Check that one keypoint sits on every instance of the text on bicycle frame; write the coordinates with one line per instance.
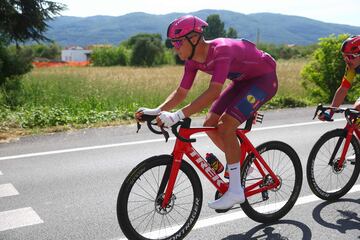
(207, 168)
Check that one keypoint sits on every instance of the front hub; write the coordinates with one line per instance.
(336, 167)
(168, 208)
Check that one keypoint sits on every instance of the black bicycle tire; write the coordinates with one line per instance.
(139, 170)
(274, 216)
(312, 157)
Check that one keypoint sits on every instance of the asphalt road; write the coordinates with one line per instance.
(65, 185)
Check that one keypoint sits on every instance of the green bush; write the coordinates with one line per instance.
(109, 56)
(13, 64)
(12, 92)
(169, 57)
(287, 51)
(286, 102)
(49, 51)
(323, 74)
(43, 116)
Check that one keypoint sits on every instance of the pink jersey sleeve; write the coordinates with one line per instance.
(189, 75)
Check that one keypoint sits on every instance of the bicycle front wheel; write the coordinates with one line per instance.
(139, 209)
(271, 205)
(326, 179)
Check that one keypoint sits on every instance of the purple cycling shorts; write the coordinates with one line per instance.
(243, 98)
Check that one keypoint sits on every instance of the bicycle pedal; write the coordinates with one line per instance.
(226, 210)
(222, 210)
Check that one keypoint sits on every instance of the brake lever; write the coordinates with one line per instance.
(138, 127)
(319, 107)
(148, 119)
(165, 133)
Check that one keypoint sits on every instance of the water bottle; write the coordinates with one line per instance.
(214, 163)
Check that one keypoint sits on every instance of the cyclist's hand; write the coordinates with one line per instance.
(169, 118)
(147, 111)
(325, 116)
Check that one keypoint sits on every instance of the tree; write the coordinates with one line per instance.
(231, 33)
(13, 64)
(147, 50)
(322, 75)
(151, 37)
(23, 20)
(215, 28)
(49, 51)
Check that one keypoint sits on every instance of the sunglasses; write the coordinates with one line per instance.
(177, 43)
(350, 56)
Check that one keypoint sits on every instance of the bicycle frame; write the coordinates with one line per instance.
(350, 128)
(186, 148)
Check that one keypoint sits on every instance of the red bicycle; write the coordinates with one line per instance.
(330, 172)
(161, 198)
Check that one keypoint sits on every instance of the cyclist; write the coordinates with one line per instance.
(350, 50)
(254, 82)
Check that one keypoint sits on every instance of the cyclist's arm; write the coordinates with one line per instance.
(342, 91)
(174, 99)
(204, 100)
(177, 96)
(339, 96)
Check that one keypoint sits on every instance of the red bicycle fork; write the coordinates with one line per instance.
(351, 128)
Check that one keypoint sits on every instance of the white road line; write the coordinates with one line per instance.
(18, 218)
(223, 218)
(143, 142)
(7, 190)
(1, 173)
(295, 125)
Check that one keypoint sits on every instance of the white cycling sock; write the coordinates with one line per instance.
(235, 193)
(234, 178)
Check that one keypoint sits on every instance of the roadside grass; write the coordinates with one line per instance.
(62, 98)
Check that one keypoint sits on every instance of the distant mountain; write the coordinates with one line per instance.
(273, 28)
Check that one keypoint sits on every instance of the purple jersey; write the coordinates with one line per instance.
(234, 59)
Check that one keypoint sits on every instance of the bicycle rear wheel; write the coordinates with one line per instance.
(325, 178)
(139, 210)
(271, 205)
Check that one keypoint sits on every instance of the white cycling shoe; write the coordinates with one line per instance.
(228, 200)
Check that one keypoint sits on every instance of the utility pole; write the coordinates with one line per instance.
(258, 36)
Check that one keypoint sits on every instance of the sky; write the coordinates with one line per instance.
(331, 11)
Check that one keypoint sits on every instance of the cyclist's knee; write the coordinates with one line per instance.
(227, 126)
(225, 130)
(211, 120)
